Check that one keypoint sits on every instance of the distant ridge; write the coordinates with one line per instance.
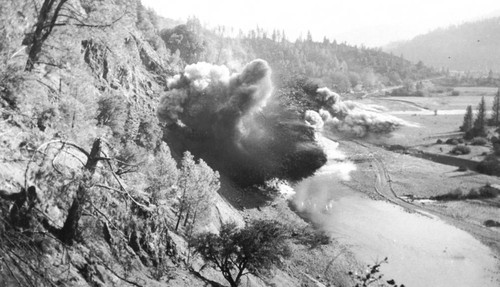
(472, 46)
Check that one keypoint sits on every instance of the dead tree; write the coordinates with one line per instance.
(46, 21)
(70, 228)
(69, 231)
(54, 13)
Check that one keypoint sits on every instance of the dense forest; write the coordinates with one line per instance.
(340, 66)
(116, 144)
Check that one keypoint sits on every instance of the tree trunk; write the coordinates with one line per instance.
(35, 50)
(187, 217)
(45, 22)
(179, 218)
(70, 229)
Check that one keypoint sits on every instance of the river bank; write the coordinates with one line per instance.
(423, 250)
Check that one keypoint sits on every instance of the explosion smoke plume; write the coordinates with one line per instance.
(223, 118)
(207, 97)
(351, 118)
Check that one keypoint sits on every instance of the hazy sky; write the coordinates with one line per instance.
(373, 23)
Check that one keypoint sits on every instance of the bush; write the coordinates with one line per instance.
(460, 150)
(490, 165)
(479, 141)
(372, 276)
(496, 148)
(488, 191)
(491, 223)
(455, 93)
(455, 194)
(439, 141)
(485, 192)
(311, 237)
(462, 168)
(112, 113)
(452, 141)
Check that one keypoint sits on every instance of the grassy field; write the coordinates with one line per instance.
(423, 178)
(420, 178)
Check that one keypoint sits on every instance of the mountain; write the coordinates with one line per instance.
(470, 46)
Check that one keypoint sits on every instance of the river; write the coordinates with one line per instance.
(422, 250)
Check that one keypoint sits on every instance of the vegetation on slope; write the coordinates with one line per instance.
(86, 178)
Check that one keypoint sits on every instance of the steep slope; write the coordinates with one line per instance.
(89, 193)
(470, 46)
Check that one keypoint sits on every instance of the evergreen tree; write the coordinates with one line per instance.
(309, 37)
(467, 124)
(495, 116)
(479, 127)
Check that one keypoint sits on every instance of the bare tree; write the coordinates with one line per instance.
(47, 17)
(51, 14)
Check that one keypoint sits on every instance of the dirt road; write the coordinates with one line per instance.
(383, 186)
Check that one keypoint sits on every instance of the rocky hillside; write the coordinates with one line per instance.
(90, 195)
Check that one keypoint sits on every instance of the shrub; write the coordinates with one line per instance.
(311, 237)
(149, 134)
(462, 168)
(496, 148)
(452, 141)
(491, 223)
(112, 113)
(485, 192)
(439, 141)
(455, 93)
(46, 118)
(460, 150)
(488, 191)
(455, 194)
(490, 165)
(479, 141)
(372, 276)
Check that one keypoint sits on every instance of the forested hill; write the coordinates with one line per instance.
(338, 65)
(468, 47)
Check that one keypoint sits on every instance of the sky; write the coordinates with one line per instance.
(358, 22)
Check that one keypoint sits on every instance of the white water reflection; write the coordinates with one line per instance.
(422, 251)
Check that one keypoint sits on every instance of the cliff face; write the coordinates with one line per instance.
(89, 82)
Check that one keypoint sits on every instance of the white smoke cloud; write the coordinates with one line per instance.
(314, 120)
(354, 119)
(202, 75)
(205, 92)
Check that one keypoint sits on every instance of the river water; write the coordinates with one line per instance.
(422, 251)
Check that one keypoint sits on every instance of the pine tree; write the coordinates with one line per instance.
(467, 124)
(495, 116)
(479, 127)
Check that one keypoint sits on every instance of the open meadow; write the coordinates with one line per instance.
(415, 180)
